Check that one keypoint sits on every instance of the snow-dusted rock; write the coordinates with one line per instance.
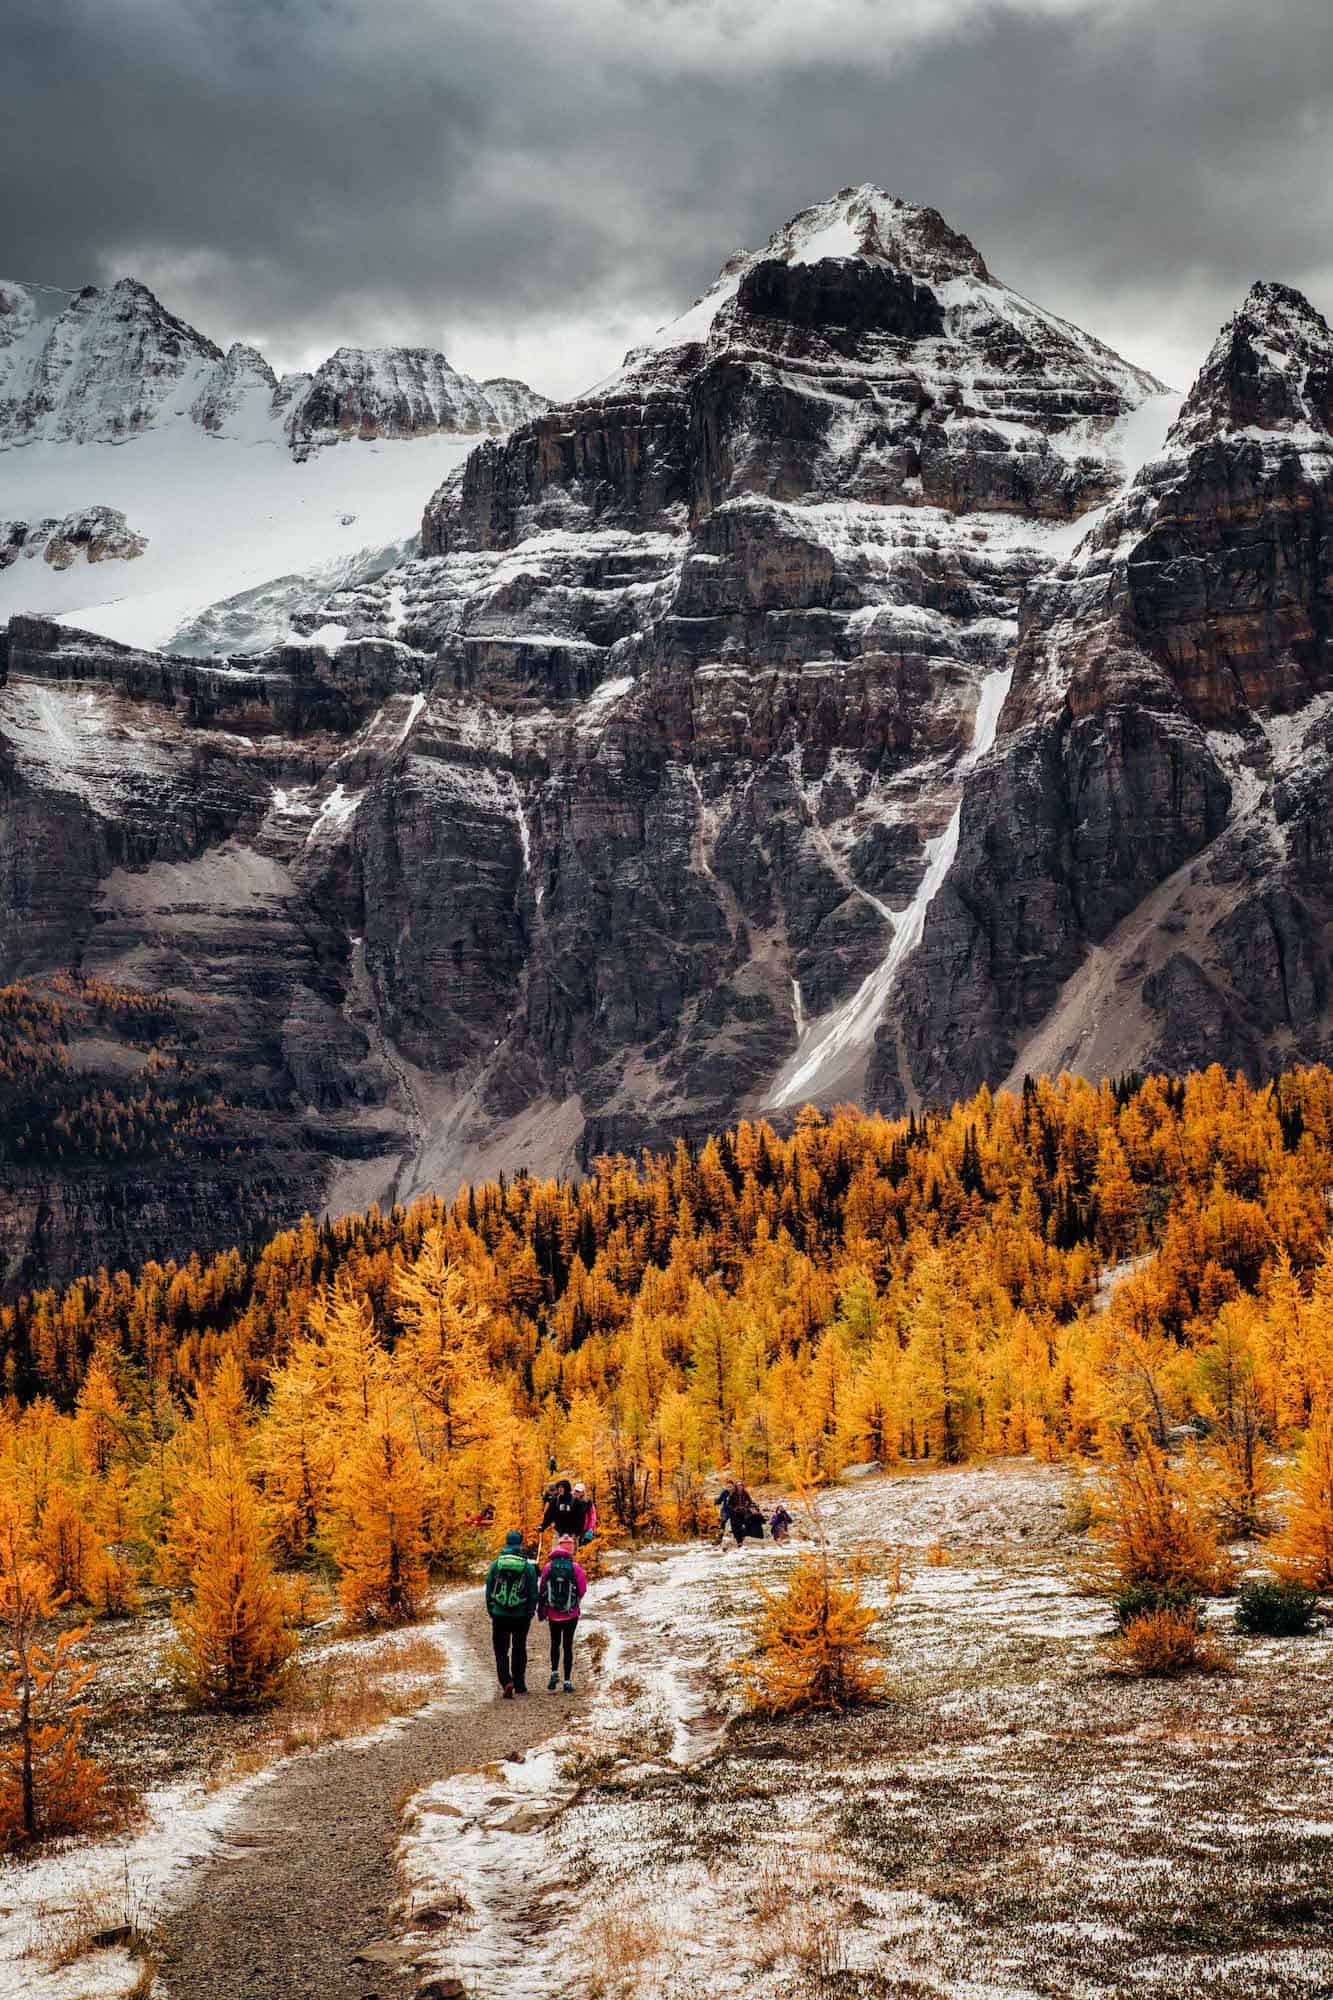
(238, 390)
(1144, 875)
(99, 534)
(111, 364)
(108, 364)
(399, 392)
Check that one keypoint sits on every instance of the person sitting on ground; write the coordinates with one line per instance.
(511, 1600)
(564, 1513)
(582, 1498)
(559, 1596)
(779, 1523)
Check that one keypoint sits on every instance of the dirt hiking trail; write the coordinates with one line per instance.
(296, 1904)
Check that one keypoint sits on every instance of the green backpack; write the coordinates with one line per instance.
(509, 1592)
(562, 1590)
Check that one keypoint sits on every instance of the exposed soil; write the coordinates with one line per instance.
(298, 1900)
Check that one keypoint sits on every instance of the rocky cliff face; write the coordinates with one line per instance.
(112, 363)
(812, 711)
(399, 392)
(619, 810)
(1141, 873)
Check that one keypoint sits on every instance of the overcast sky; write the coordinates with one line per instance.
(534, 184)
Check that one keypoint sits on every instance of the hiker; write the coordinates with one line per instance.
(582, 1498)
(511, 1599)
(564, 1513)
(742, 1514)
(559, 1595)
(723, 1504)
(779, 1523)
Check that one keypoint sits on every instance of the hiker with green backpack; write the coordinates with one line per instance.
(511, 1599)
(559, 1596)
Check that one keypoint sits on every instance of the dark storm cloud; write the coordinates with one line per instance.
(529, 183)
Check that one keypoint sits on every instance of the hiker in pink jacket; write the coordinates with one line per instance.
(560, 1591)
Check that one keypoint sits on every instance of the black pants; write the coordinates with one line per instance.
(509, 1636)
(562, 1638)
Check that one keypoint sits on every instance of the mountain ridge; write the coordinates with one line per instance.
(658, 787)
(70, 376)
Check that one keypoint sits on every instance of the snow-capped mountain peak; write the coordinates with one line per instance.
(1269, 370)
(866, 226)
(880, 228)
(105, 368)
(110, 363)
(111, 405)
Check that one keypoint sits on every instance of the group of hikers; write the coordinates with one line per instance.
(517, 1590)
(520, 1587)
(738, 1510)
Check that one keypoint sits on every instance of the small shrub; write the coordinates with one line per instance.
(1168, 1642)
(1277, 1608)
(937, 1556)
(1140, 1600)
(813, 1646)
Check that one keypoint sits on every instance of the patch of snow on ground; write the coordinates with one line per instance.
(1019, 1819)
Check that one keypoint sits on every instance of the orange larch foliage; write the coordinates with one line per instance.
(47, 1785)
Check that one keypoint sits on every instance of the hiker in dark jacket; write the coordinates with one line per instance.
(740, 1512)
(511, 1600)
(723, 1504)
(565, 1512)
(779, 1523)
(559, 1598)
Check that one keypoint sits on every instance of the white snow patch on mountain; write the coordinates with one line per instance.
(221, 516)
(842, 1036)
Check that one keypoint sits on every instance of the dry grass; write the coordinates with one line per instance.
(94, 1919)
(621, 1942)
(795, 1905)
(341, 1693)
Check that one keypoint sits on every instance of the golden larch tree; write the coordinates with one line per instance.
(1304, 1551)
(233, 1646)
(813, 1647)
(47, 1785)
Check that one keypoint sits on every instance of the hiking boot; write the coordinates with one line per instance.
(519, 1690)
(509, 1690)
(569, 1687)
(553, 1684)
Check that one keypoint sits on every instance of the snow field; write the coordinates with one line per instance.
(223, 515)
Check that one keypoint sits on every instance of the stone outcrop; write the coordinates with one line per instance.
(97, 534)
(1158, 792)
